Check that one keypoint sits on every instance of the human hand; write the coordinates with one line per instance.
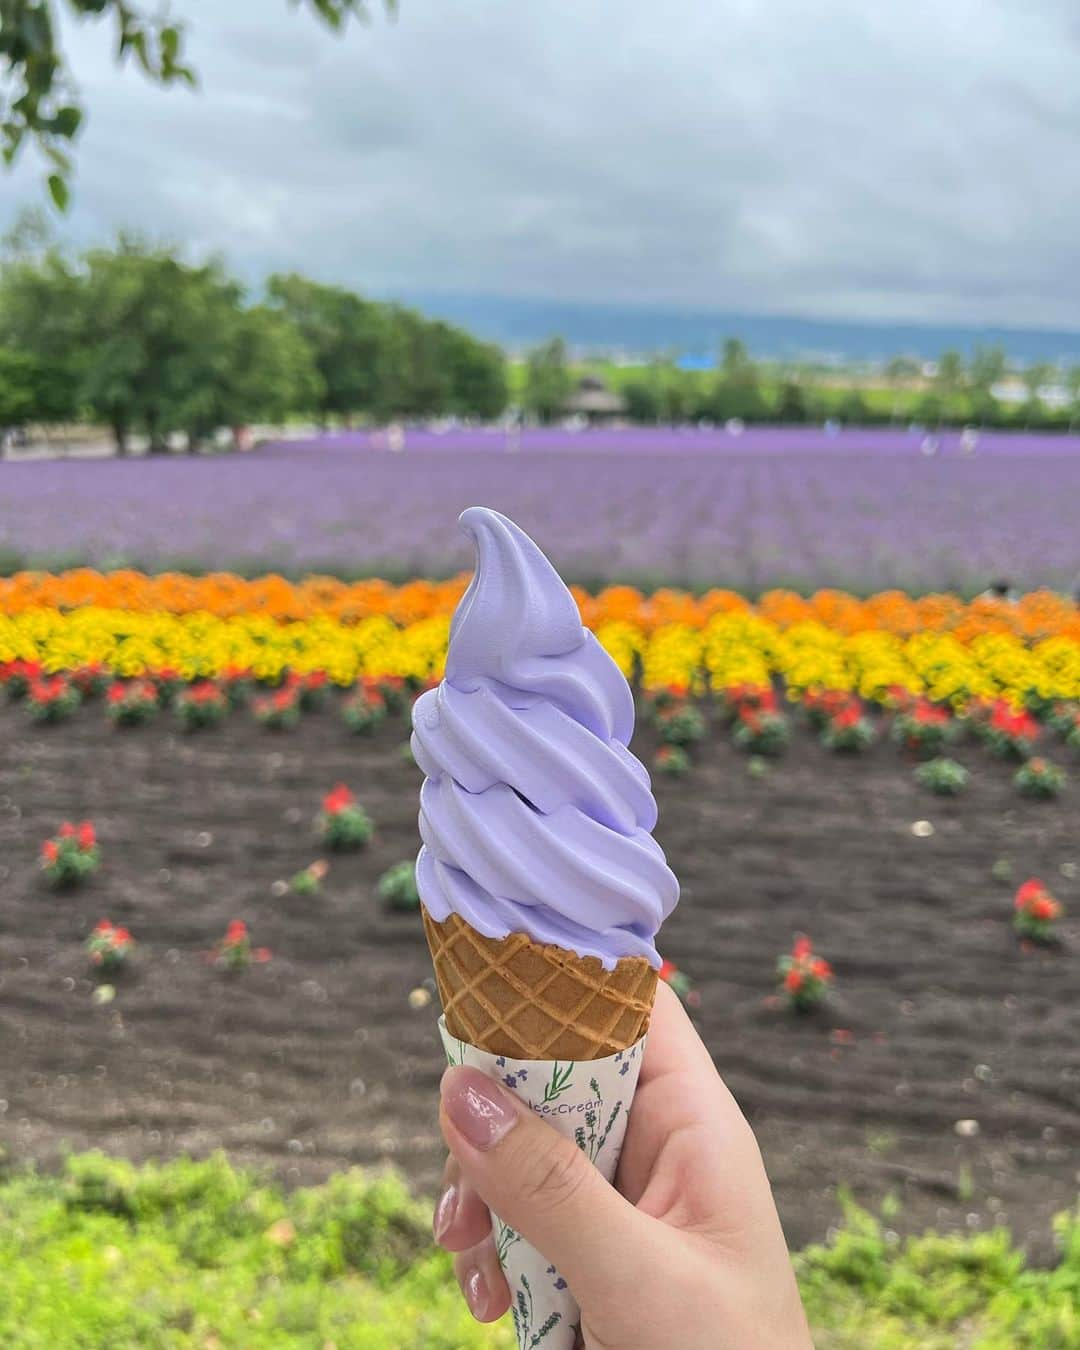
(686, 1250)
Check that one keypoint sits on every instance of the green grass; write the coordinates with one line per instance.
(199, 1254)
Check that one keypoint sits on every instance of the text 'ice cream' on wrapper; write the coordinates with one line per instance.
(541, 885)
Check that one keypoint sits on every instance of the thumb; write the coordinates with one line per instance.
(539, 1183)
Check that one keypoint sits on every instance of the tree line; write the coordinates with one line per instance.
(135, 337)
(955, 392)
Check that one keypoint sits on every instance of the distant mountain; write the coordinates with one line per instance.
(633, 331)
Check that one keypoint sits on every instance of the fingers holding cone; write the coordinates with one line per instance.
(540, 1183)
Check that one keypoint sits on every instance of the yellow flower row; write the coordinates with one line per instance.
(732, 647)
(200, 646)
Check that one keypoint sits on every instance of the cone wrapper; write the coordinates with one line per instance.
(587, 1101)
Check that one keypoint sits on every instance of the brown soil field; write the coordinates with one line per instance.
(317, 1060)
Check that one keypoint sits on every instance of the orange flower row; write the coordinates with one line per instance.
(1034, 616)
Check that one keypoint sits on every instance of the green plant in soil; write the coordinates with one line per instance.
(72, 856)
(364, 711)
(671, 760)
(680, 724)
(1039, 778)
(761, 733)
(200, 706)
(343, 822)
(944, 777)
(848, 733)
(396, 888)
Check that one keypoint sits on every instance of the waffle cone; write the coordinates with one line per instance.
(512, 996)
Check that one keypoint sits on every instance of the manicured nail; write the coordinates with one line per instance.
(476, 1293)
(445, 1212)
(477, 1106)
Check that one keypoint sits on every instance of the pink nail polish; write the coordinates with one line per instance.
(477, 1106)
(476, 1295)
(445, 1212)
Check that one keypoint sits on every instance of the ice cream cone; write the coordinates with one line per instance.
(513, 996)
(536, 821)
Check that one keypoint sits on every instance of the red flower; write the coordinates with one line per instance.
(1044, 908)
(1019, 726)
(667, 969)
(1028, 892)
(86, 836)
(802, 949)
(928, 714)
(850, 717)
(337, 800)
(50, 852)
(236, 933)
(117, 693)
(104, 927)
(67, 830)
(793, 980)
(821, 970)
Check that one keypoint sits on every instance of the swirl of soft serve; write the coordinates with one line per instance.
(534, 815)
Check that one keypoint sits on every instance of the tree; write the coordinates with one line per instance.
(930, 410)
(477, 372)
(269, 372)
(642, 403)
(1035, 376)
(949, 380)
(988, 368)
(672, 391)
(791, 402)
(157, 338)
(547, 380)
(1072, 386)
(42, 305)
(852, 409)
(734, 359)
(737, 392)
(902, 370)
(358, 358)
(20, 388)
(35, 99)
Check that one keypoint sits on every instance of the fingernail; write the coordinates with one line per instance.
(445, 1211)
(476, 1293)
(477, 1107)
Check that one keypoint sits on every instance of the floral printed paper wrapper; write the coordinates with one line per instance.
(588, 1101)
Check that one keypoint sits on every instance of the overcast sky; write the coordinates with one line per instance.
(913, 159)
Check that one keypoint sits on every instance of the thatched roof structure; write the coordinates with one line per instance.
(593, 399)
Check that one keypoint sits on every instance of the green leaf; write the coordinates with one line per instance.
(58, 191)
(60, 161)
(66, 121)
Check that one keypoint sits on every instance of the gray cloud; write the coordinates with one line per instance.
(841, 159)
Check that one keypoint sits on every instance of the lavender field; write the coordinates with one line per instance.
(798, 507)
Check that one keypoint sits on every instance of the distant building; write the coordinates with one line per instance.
(594, 401)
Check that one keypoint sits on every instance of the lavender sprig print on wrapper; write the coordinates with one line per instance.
(589, 1103)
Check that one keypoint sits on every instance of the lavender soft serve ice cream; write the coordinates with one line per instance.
(534, 815)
